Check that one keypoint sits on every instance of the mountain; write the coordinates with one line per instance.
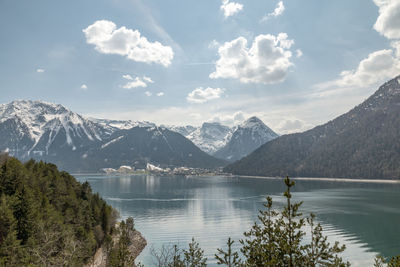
(363, 143)
(115, 125)
(210, 137)
(51, 132)
(248, 136)
(29, 128)
(139, 145)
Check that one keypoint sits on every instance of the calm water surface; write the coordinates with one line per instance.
(172, 210)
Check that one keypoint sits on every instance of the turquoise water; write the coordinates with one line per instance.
(171, 210)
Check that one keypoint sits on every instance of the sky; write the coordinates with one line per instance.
(294, 64)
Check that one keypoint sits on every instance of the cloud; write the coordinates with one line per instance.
(127, 77)
(147, 93)
(266, 61)
(160, 93)
(213, 44)
(292, 126)
(200, 95)
(137, 82)
(279, 9)
(148, 79)
(229, 119)
(84, 87)
(230, 8)
(39, 70)
(378, 66)
(299, 53)
(388, 22)
(107, 39)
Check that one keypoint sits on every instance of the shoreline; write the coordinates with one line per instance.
(327, 179)
(136, 247)
(347, 180)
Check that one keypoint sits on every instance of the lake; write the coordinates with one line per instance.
(364, 216)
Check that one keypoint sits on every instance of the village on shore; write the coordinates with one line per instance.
(153, 169)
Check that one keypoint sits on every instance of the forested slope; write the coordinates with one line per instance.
(363, 143)
(47, 218)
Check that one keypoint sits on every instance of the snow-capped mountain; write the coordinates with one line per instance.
(210, 137)
(183, 130)
(37, 127)
(141, 145)
(51, 132)
(114, 125)
(247, 137)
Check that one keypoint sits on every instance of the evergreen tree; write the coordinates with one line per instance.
(228, 258)
(120, 255)
(194, 257)
(9, 244)
(382, 262)
(278, 239)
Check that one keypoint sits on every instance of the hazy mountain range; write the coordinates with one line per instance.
(363, 143)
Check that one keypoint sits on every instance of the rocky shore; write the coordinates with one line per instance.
(138, 243)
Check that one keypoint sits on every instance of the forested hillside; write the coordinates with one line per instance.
(47, 218)
(363, 143)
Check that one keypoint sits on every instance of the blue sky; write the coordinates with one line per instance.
(295, 64)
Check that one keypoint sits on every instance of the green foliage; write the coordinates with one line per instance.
(382, 262)
(278, 239)
(319, 252)
(362, 143)
(228, 258)
(120, 255)
(47, 218)
(194, 257)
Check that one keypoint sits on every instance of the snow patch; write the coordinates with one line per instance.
(112, 141)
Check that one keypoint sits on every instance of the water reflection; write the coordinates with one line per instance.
(172, 209)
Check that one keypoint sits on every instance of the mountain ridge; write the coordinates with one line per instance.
(51, 132)
(362, 143)
(247, 137)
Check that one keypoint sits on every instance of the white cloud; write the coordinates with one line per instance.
(266, 61)
(137, 82)
(39, 70)
(279, 9)
(229, 119)
(160, 93)
(213, 44)
(127, 77)
(134, 84)
(126, 42)
(396, 46)
(388, 22)
(299, 53)
(84, 87)
(377, 67)
(230, 8)
(147, 93)
(201, 95)
(292, 126)
(148, 79)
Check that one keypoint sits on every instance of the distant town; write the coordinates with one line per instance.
(152, 169)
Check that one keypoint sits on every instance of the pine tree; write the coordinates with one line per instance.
(194, 257)
(9, 244)
(319, 252)
(278, 239)
(228, 258)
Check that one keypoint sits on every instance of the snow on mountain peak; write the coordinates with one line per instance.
(252, 122)
(40, 117)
